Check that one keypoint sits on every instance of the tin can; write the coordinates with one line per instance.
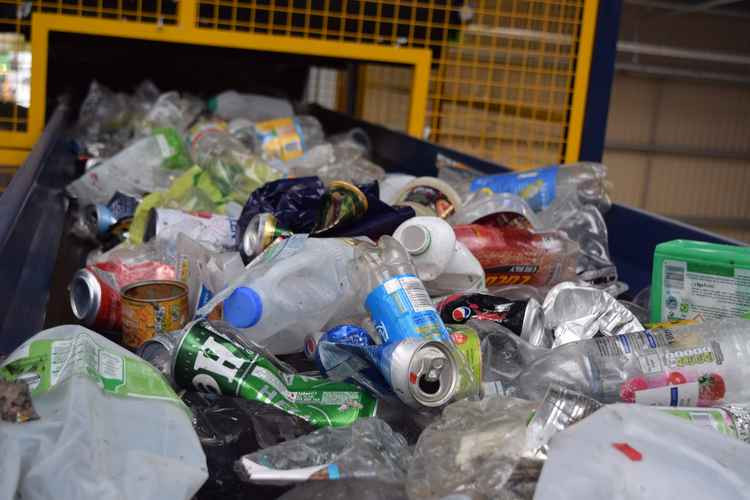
(94, 300)
(151, 308)
(262, 230)
(206, 359)
(343, 204)
(466, 340)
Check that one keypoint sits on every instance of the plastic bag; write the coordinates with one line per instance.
(633, 451)
(192, 191)
(110, 426)
(366, 449)
(231, 427)
(474, 450)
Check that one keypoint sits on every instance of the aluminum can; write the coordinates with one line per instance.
(343, 204)
(208, 361)
(94, 300)
(262, 230)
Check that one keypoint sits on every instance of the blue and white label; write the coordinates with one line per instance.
(537, 187)
(401, 308)
(204, 295)
(670, 395)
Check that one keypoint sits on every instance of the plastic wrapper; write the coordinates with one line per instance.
(146, 165)
(634, 451)
(499, 209)
(346, 489)
(110, 426)
(514, 256)
(340, 162)
(577, 312)
(229, 428)
(103, 122)
(457, 174)
(366, 449)
(585, 225)
(194, 190)
(170, 110)
(475, 450)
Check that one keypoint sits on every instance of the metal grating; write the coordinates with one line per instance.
(503, 72)
(15, 35)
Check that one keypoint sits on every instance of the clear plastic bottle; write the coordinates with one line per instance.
(298, 286)
(705, 364)
(232, 166)
(231, 104)
(541, 187)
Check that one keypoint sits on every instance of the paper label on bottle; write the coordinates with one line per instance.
(401, 308)
(538, 187)
(670, 395)
(708, 291)
(48, 363)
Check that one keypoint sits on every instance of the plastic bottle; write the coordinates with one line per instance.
(516, 256)
(231, 104)
(232, 166)
(296, 287)
(444, 264)
(287, 138)
(542, 186)
(695, 365)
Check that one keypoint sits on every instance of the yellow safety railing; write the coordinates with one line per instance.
(502, 79)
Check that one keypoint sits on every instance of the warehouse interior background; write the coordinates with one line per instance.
(677, 135)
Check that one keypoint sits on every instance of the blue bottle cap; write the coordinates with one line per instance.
(243, 308)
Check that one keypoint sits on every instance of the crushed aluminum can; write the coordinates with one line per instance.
(577, 312)
(262, 230)
(343, 203)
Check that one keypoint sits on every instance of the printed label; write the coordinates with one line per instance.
(537, 187)
(467, 342)
(401, 308)
(51, 362)
(210, 362)
(166, 151)
(280, 138)
(708, 291)
(283, 248)
(717, 419)
(670, 395)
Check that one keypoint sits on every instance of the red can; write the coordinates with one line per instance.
(518, 256)
(95, 290)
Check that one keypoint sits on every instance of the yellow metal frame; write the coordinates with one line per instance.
(581, 83)
(186, 32)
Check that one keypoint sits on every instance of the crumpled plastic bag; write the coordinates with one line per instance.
(192, 191)
(475, 450)
(110, 426)
(634, 451)
(366, 449)
(578, 312)
(231, 427)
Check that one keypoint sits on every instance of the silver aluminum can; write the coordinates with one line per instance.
(422, 373)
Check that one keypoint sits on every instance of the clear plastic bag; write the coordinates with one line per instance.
(474, 451)
(366, 449)
(110, 426)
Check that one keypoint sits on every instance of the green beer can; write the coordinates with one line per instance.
(207, 360)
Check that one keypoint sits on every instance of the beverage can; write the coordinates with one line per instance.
(152, 308)
(262, 230)
(95, 299)
(466, 340)
(209, 361)
(342, 204)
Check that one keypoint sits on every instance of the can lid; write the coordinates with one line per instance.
(251, 240)
(416, 239)
(433, 375)
(85, 296)
(243, 308)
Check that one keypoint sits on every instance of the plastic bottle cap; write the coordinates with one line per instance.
(416, 239)
(243, 308)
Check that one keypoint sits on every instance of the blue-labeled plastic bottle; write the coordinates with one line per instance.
(395, 297)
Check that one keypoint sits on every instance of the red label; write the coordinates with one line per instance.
(628, 451)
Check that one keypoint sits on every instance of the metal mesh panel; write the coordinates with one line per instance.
(503, 70)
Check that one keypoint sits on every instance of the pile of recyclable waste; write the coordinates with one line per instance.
(268, 313)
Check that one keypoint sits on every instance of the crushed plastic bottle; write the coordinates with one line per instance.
(367, 449)
(230, 104)
(296, 286)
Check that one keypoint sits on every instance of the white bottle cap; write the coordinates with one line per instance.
(416, 239)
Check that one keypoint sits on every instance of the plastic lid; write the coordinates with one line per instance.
(416, 239)
(243, 308)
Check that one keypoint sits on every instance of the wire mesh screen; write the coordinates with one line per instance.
(15, 35)
(503, 70)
